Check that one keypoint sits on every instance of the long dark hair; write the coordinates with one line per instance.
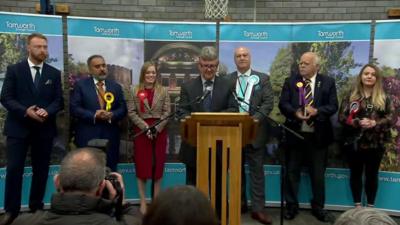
(181, 205)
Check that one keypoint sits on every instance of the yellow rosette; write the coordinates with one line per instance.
(299, 84)
(109, 99)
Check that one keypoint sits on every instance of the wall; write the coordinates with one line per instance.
(239, 10)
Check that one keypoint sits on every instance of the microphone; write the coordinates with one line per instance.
(206, 93)
(354, 107)
(237, 98)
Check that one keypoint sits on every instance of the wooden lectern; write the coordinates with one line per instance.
(233, 131)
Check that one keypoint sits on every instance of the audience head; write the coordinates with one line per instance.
(208, 62)
(181, 205)
(37, 48)
(309, 64)
(242, 59)
(97, 67)
(364, 216)
(82, 170)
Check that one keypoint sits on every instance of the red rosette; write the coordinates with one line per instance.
(142, 95)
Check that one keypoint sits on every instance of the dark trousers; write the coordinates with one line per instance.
(367, 161)
(314, 157)
(112, 151)
(255, 160)
(17, 149)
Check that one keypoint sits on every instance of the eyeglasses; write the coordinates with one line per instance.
(208, 66)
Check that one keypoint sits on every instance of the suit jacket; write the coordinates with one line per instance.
(19, 93)
(159, 109)
(222, 101)
(83, 106)
(325, 100)
(261, 104)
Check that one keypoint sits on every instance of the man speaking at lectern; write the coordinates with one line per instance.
(254, 91)
(206, 93)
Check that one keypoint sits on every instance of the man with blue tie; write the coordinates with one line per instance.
(255, 89)
(94, 119)
(308, 100)
(206, 93)
(32, 95)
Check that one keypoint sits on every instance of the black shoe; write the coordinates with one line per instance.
(244, 209)
(323, 215)
(291, 212)
(7, 218)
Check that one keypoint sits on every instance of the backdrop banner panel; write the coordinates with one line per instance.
(120, 42)
(175, 47)
(14, 29)
(386, 56)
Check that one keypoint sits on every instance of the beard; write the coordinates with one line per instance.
(39, 57)
(101, 77)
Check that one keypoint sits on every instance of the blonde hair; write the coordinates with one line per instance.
(378, 93)
(143, 70)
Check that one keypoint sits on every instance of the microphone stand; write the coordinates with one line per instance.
(152, 129)
(283, 167)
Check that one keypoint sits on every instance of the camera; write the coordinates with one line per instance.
(118, 197)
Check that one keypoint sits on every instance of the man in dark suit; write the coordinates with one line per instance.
(94, 120)
(32, 94)
(220, 100)
(255, 90)
(308, 100)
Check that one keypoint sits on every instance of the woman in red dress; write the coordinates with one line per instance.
(149, 102)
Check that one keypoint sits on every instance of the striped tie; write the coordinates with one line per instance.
(309, 100)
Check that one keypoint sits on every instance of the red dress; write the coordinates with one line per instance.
(143, 148)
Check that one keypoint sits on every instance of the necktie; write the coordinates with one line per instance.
(207, 100)
(242, 92)
(309, 100)
(100, 93)
(37, 76)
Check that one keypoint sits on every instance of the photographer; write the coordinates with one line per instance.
(80, 185)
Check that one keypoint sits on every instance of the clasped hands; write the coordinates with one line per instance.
(151, 133)
(306, 113)
(367, 123)
(36, 113)
(102, 114)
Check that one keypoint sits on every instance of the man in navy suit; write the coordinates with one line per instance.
(255, 90)
(308, 112)
(220, 100)
(89, 106)
(32, 95)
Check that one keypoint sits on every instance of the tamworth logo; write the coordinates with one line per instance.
(21, 26)
(181, 34)
(106, 31)
(256, 35)
(331, 34)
